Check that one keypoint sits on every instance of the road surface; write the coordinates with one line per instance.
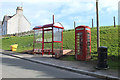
(18, 68)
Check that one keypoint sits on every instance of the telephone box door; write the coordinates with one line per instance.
(79, 41)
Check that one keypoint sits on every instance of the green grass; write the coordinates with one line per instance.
(68, 58)
(24, 43)
(112, 61)
(108, 38)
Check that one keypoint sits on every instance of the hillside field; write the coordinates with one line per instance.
(108, 38)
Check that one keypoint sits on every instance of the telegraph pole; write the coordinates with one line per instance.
(53, 19)
(92, 23)
(98, 35)
(74, 24)
(114, 21)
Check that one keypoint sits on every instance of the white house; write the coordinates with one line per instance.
(15, 24)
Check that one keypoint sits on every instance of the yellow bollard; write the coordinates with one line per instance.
(14, 47)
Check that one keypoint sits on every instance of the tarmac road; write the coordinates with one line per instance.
(18, 68)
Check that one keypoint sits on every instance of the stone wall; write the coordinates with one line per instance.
(20, 34)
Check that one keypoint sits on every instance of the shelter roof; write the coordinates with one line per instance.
(56, 25)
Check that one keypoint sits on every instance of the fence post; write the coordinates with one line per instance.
(114, 21)
(92, 23)
(74, 24)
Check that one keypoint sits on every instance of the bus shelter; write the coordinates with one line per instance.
(48, 39)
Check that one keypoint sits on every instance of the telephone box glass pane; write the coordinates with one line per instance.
(79, 43)
(87, 29)
(80, 29)
(88, 44)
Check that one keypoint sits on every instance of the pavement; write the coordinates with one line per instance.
(82, 67)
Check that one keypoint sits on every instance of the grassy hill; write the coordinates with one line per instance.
(108, 37)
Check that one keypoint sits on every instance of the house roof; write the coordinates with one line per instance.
(27, 19)
(6, 18)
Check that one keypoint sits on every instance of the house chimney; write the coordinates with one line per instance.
(19, 10)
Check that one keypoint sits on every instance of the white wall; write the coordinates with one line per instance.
(24, 24)
(18, 24)
(12, 25)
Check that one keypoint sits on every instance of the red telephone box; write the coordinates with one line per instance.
(82, 43)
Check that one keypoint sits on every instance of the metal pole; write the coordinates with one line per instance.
(53, 19)
(92, 23)
(74, 24)
(42, 41)
(98, 35)
(34, 42)
(52, 42)
(114, 21)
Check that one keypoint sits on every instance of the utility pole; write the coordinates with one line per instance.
(98, 35)
(92, 23)
(114, 21)
(74, 24)
(53, 19)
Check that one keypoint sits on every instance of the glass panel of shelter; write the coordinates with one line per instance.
(47, 40)
(57, 34)
(38, 35)
(38, 40)
(57, 48)
(79, 43)
(48, 36)
(38, 47)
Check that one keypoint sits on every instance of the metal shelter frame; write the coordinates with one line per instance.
(56, 31)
